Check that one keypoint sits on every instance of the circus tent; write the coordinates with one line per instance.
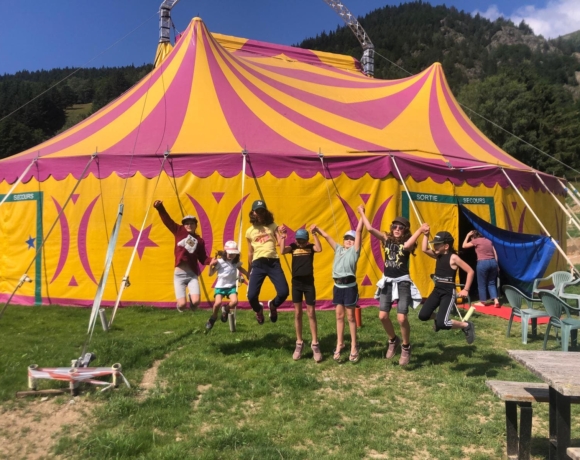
(318, 138)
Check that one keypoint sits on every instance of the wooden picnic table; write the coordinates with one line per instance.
(561, 371)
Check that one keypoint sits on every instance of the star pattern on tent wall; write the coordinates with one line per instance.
(30, 242)
(144, 242)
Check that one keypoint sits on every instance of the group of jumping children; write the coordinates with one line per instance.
(265, 239)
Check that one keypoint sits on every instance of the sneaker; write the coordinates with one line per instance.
(260, 315)
(273, 312)
(469, 332)
(298, 351)
(316, 354)
(405, 355)
(392, 346)
(210, 323)
(224, 317)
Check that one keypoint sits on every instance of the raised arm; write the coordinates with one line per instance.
(413, 240)
(317, 246)
(466, 243)
(373, 231)
(315, 229)
(425, 243)
(282, 235)
(167, 221)
(358, 237)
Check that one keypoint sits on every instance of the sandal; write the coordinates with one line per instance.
(354, 357)
(336, 353)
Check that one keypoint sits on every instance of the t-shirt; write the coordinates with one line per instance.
(227, 273)
(263, 239)
(302, 260)
(345, 261)
(483, 248)
(396, 260)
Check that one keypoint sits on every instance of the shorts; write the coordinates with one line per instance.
(183, 279)
(345, 296)
(225, 291)
(304, 289)
(404, 301)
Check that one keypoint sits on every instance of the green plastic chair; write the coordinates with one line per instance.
(556, 307)
(569, 296)
(516, 298)
(557, 280)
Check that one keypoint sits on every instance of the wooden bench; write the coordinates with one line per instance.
(521, 394)
(573, 453)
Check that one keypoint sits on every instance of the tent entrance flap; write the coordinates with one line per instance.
(522, 258)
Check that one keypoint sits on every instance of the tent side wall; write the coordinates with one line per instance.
(72, 260)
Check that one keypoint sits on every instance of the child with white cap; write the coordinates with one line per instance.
(189, 250)
(226, 265)
(303, 286)
(345, 292)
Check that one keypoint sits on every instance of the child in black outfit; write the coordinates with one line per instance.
(444, 293)
(303, 286)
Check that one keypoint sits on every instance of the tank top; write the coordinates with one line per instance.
(443, 269)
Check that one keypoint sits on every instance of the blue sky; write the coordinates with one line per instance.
(41, 34)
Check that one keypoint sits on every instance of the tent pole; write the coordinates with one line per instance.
(407, 191)
(569, 192)
(558, 201)
(540, 222)
(18, 181)
(575, 192)
(125, 282)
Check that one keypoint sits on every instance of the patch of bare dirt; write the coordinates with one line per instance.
(31, 431)
(149, 380)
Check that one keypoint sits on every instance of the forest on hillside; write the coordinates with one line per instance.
(502, 71)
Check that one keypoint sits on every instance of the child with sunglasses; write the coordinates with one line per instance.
(444, 294)
(345, 292)
(396, 287)
(303, 286)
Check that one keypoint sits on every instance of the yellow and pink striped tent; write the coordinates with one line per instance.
(319, 138)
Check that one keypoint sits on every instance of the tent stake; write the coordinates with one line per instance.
(540, 222)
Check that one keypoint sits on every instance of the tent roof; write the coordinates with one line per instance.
(215, 96)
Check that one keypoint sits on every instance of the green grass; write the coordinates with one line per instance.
(241, 396)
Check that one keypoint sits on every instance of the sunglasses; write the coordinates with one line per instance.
(348, 238)
(189, 222)
(397, 227)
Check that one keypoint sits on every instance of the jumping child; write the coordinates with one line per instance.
(345, 291)
(263, 261)
(396, 287)
(226, 265)
(444, 293)
(303, 286)
(189, 250)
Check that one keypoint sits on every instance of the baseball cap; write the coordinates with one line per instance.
(231, 247)
(442, 237)
(350, 233)
(402, 220)
(258, 204)
(188, 217)
(301, 234)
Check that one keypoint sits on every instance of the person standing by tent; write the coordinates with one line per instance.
(263, 261)
(396, 287)
(487, 267)
(303, 286)
(345, 291)
(189, 250)
(444, 294)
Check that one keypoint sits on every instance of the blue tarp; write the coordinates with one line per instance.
(522, 258)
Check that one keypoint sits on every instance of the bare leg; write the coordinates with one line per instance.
(216, 306)
(405, 328)
(194, 301)
(352, 327)
(311, 310)
(340, 326)
(181, 303)
(387, 324)
(298, 321)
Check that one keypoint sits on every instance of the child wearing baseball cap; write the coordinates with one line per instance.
(303, 286)
(345, 292)
(227, 265)
(444, 294)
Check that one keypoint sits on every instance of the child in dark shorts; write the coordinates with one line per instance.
(345, 293)
(303, 286)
